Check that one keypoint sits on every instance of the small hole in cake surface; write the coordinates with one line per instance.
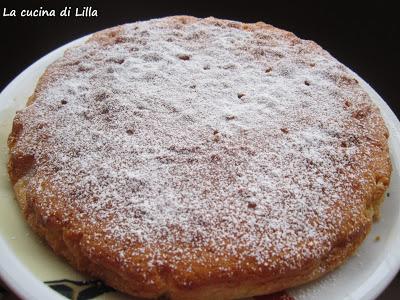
(240, 95)
(184, 56)
(216, 137)
(215, 132)
(87, 115)
(193, 86)
(101, 97)
(129, 131)
(285, 130)
(360, 114)
(229, 118)
(63, 102)
(306, 82)
(215, 158)
(207, 67)
(347, 103)
(268, 70)
(251, 205)
(120, 40)
(83, 69)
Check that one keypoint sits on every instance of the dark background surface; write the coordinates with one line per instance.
(362, 36)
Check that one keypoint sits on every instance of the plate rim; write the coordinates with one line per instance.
(11, 268)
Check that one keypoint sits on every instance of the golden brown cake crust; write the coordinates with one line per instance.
(200, 159)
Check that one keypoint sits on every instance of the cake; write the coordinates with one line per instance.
(197, 158)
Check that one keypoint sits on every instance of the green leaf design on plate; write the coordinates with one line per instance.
(79, 290)
(63, 289)
(93, 292)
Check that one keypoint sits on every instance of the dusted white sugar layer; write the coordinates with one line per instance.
(173, 140)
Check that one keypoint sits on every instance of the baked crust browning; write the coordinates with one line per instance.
(200, 159)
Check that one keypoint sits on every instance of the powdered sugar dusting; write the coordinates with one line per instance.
(199, 144)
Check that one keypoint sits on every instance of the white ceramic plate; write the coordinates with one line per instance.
(25, 263)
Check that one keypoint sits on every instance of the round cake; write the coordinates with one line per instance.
(200, 159)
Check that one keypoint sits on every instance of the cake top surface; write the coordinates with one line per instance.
(192, 142)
